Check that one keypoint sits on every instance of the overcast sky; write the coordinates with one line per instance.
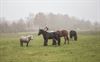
(82, 9)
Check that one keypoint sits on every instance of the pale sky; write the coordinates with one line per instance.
(82, 9)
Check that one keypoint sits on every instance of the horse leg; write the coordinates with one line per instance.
(54, 42)
(45, 42)
(71, 37)
(21, 43)
(59, 41)
(27, 44)
(68, 39)
(65, 40)
(75, 38)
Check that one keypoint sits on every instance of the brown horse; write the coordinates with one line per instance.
(63, 33)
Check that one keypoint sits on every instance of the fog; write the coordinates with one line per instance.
(82, 9)
(30, 15)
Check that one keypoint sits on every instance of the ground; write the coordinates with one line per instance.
(86, 49)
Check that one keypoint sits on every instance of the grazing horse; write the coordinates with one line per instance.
(25, 39)
(49, 35)
(73, 35)
(63, 33)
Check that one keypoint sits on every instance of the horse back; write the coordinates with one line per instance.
(62, 33)
(72, 32)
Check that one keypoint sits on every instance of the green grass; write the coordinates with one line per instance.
(86, 49)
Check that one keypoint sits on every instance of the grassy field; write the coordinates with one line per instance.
(86, 49)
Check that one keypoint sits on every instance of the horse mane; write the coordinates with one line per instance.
(44, 30)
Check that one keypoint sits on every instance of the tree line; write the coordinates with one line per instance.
(40, 20)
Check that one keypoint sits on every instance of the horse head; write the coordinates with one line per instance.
(40, 31)
(30, 37)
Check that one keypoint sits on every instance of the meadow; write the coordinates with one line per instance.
(86, 49)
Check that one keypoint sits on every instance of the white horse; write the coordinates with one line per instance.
(25, 39)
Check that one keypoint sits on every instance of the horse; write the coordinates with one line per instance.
(49, 35)
(63, 33)
(25, 39)
(73, 35)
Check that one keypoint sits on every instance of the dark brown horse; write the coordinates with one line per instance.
(49, 35)
(63, 33)
(73, 35)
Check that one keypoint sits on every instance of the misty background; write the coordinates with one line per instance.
(30, 15)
